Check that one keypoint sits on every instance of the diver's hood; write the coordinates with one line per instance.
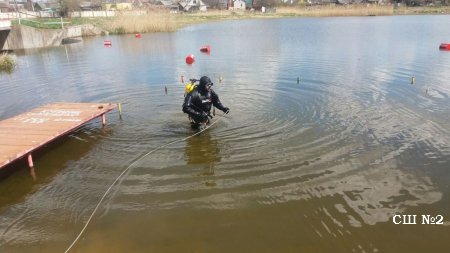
(204, 80)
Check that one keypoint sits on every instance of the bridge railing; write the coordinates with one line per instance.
(35, 19)
(28, 14)
(74, 14)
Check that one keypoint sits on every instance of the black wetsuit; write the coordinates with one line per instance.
(198, 103)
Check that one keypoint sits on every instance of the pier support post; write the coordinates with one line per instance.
(30, 161)
(103, 119)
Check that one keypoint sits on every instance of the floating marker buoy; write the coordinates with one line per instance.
(190, 59)
(137, 35)
(220, 79)
(205, 49)
(444, 46)
(107, 43)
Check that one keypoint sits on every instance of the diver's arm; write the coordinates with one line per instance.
(216, 101)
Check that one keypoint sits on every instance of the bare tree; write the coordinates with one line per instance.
(67, 6)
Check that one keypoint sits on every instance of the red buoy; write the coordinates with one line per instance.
(444, 46)
(137, 35)
(205, 49)
(107, 43)
(190, 59)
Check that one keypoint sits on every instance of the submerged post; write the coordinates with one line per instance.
(30, 160)
(103, 119)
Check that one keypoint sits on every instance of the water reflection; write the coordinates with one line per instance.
(202, 150)
(19, 181)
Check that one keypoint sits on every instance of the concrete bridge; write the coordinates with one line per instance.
(5, 27)
(25, 37)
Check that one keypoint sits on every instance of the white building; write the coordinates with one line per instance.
(192, 5)
(239, 5)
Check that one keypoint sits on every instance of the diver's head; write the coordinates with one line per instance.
(205, 83)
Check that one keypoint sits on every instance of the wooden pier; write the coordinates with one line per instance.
(24, 133)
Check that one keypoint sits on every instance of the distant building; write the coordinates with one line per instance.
(47, 6)
(118, 7)
(192, 5)
(5, 7)
(91, 6)
(168, 4)
(239, 5)
(11, 6)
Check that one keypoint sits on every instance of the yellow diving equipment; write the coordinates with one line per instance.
(189, 87)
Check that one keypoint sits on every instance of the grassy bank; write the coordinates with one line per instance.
(337, 10)
(7, 63)
(422, 10)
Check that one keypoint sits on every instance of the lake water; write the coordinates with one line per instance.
(327, 140)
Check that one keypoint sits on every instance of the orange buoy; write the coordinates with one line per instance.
(205, 49)
(137, 35)
(444, 46)
(190, 59)
(107, 43)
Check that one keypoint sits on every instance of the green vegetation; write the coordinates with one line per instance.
(46, 23)
(7, 63)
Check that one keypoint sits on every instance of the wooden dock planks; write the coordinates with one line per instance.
(24, 133)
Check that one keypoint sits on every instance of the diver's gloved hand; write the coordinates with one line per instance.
(204, 116)
(226, 110)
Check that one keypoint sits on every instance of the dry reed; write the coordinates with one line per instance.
(338, 10)
(7, 63)
(152, 22)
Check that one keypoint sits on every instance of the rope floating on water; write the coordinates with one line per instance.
(126, 169)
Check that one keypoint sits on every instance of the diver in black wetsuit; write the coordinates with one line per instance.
(199, 101)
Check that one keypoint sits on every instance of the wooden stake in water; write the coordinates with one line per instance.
(30, 161)
(298, 79)
(120, 110)
(165, 89)
(413, 80)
